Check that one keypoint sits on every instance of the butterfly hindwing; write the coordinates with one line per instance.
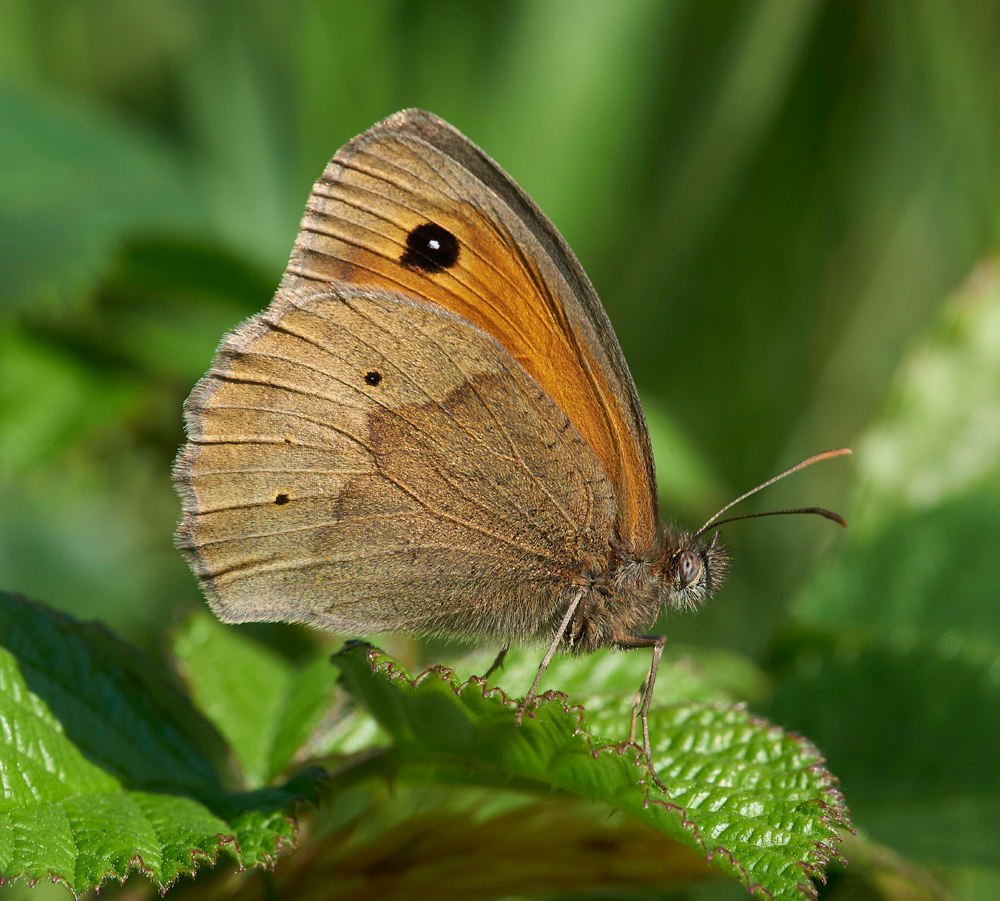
(369, 463)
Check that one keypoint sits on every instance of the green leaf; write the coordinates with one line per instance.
(928, 576)
(107, 767)
(911, 731)
(893, 664)
(121, 711)
(756, 801)
(311, 694)
(686, 674)
(412, 840)
(939, 438)
(264, 706)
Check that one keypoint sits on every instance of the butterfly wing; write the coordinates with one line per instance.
(369, 463)
(413, 206)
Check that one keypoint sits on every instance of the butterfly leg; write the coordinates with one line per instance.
(636, 703)
(496, 663)
(645, 693)
(563, 626)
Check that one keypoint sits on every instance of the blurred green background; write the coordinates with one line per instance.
(788, 207)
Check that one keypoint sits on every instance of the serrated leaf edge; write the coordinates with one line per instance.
(137, 865)
(196, 856)
(824, 849)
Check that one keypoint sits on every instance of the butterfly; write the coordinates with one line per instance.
(432, 428)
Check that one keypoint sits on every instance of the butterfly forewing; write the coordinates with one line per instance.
(413, 206)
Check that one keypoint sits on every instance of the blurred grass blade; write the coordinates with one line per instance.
(768, 41)
(73, 184)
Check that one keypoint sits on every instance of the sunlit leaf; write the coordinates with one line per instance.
(755, 800)
(109, 768)
(264, 706)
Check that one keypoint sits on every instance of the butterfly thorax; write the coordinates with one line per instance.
(625, 591)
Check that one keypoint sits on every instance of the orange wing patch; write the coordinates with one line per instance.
(393, 212)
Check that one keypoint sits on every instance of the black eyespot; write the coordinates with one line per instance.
(281, 499)
(373, 378)
(688, 567)
(430, 248)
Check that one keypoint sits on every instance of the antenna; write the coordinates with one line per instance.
(826, 455)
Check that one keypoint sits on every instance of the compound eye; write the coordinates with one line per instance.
(688, 568)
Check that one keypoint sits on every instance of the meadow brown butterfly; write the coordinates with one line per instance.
(432, 428)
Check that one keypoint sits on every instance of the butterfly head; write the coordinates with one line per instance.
(692, 569)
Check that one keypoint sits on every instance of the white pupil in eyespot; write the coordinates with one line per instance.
(434, 244)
